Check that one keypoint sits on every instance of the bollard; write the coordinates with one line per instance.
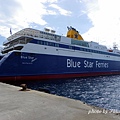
(24, 87)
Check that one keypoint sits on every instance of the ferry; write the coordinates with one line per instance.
(31, 54)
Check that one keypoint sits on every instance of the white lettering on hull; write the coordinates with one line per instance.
(86, 64)
(73, 64)
(101, 65)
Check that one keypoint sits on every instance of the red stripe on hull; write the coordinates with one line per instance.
(58, 76)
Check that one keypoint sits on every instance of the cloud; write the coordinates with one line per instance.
(19, 14)
(61, 10)
(105, 17)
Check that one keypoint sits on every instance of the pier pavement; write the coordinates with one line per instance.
(35, 105)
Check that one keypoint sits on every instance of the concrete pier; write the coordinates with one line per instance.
(35, 105)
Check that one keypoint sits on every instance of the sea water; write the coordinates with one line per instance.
(102, 91)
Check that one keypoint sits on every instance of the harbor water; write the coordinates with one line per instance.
(102, 91)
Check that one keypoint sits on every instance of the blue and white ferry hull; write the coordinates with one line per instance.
(28, 66)
(35, 55)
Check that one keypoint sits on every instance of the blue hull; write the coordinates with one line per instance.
(28, 66)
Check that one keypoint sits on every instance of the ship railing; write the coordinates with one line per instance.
(5, 42)
(34, 33)
(15, 43)
(25, 32)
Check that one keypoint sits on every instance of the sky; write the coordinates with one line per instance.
(96, 20)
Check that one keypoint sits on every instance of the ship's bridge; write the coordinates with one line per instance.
(16, 44)
(20, 38)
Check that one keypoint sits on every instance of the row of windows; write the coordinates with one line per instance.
(49, 36)
(47, 33)
(79, 42)
(70, 47)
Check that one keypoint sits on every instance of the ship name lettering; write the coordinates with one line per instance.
(73, 64)
(23, 57)
(101, 65)
(88, 64)
(27, 57)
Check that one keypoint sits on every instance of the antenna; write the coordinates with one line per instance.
(115, 46)
(68, 28)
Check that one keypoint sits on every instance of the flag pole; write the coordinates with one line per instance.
(10, 31)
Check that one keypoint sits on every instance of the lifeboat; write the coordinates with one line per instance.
(110, 50)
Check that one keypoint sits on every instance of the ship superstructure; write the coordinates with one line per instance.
(33, 54)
